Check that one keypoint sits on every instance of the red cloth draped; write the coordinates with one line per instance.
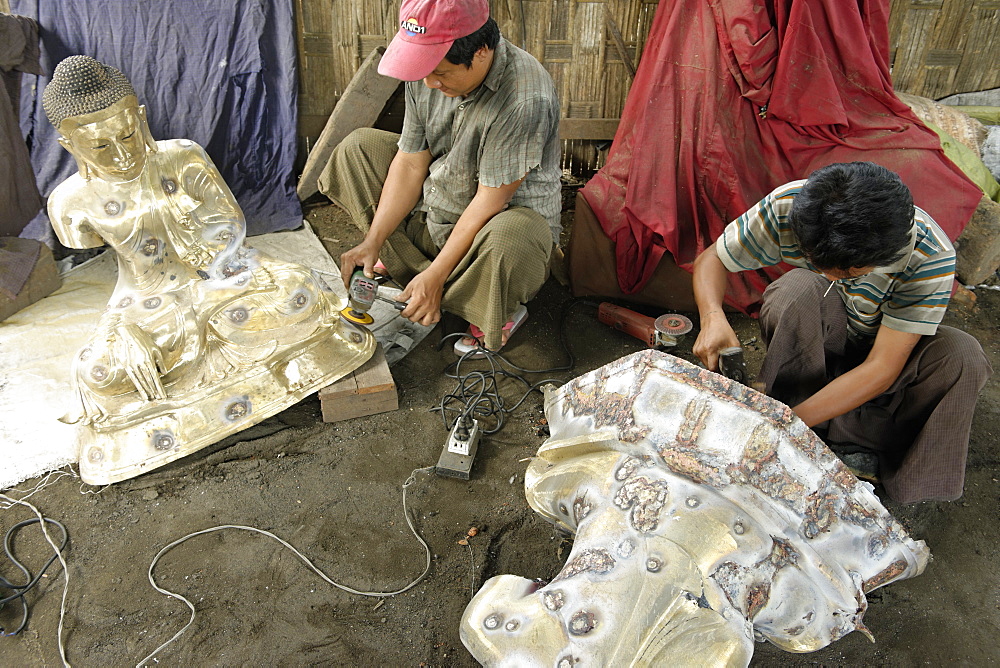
(733, 98)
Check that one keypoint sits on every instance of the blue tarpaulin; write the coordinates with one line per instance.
(218, 72)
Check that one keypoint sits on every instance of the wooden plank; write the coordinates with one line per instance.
(588, 128)
(370, 389)
(311, 125)
(358, 107)
(374, 376)
(619, 41)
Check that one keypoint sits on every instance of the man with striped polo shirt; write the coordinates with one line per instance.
(853, 334)
(464, 206)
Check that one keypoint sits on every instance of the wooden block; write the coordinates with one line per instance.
(588, 128)
(370, 389)
(359, 107)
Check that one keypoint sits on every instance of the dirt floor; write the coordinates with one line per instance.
(334, 491)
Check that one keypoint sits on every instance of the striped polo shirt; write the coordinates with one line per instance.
(910, 296)
(505, 129)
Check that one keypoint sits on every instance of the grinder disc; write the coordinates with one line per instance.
(673, 324)
(357, 316)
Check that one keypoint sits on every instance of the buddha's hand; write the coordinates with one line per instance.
(134, 351)
(197, 256)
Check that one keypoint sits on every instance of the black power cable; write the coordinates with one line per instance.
(21, 590)
(477, 393)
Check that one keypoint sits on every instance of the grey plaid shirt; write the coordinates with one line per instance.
(506, 129)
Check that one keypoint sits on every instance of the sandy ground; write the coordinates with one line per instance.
(334, 491)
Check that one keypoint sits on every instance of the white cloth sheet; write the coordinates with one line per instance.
(37, 346)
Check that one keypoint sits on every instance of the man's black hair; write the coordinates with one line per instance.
(855, 214)
(464, 48)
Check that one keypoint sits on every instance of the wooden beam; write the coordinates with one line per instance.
(616, 36)
(588, 128)
(359, 107)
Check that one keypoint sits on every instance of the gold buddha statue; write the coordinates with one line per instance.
(203, 336)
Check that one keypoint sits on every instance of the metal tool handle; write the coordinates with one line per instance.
(628, 321)
(399, 306)
(732, 364)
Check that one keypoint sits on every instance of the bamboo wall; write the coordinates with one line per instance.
(589, 47)
(938, 47)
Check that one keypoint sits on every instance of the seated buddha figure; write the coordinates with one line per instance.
(203, 336)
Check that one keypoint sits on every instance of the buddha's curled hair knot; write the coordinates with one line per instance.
(82, 85)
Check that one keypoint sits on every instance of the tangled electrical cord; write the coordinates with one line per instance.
(7, 502)
(477, 393)
(302, 557)
(21, 590)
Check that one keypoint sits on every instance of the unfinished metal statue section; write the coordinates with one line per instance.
(706, 516)
(203, 336)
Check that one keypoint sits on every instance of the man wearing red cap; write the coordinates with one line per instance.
(464, 205)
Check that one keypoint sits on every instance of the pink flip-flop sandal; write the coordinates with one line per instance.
(476, 350)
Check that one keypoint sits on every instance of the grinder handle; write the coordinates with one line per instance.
(628, 321)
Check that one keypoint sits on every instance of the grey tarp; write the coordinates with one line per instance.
(19, 198)
(218, 72)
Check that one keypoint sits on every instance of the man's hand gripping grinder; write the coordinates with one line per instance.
(361, 294)
(662, 333)
(463, 441)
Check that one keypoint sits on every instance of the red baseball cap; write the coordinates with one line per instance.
(427, 29)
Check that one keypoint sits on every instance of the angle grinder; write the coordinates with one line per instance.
(732, 365)
(659, 332)
(361, 294)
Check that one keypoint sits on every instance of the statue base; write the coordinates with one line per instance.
(113, 454)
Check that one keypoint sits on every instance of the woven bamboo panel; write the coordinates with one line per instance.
(940, 47)
(581, 44)
(317, 65)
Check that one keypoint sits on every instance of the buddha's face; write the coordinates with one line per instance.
(112, 144)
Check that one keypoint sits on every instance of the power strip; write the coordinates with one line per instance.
(462, 440)
(460, 449)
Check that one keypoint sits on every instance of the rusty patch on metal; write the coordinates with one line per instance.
(761, 467)
(844, 477)
(820, 512)
(888, 574)
(859, 515)
(589, 561)
(553, 600)
(609, 409)
(646, 498)
(627, 469)
(749, 589)
(757, 598)
(581, 508)
(582, 623)
(684, 456)
(696, 414)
